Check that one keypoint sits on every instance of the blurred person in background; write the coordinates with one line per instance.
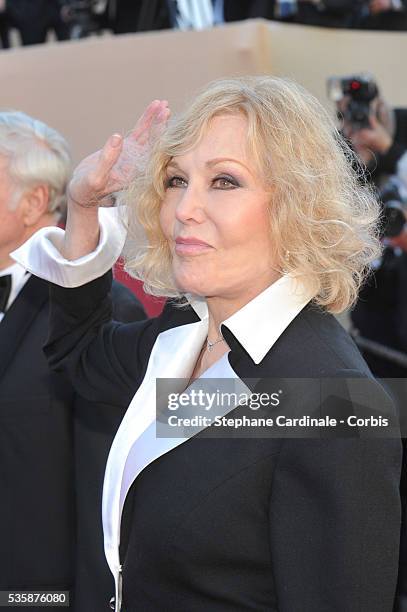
(86, 17)
(138, 15)
(53, 444)
(381, 140)
(378, 134)
(380, 314)
(246, 9)
(325, 13)
(374, 14)
(204, 13)
(383, 15)
(4, 26)
(392, 276)
(35, 18)
(329, 13)
(83, 17)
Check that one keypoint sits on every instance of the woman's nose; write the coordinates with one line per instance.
(190, 205)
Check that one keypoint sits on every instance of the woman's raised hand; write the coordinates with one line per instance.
(105, 172)
(113, 167)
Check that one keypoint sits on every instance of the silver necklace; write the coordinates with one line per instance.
(210, 345)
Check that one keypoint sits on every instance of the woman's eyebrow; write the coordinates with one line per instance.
(213, 162)
(173, 164)
(218, 160)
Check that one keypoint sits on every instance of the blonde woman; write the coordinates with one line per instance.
(247, 214)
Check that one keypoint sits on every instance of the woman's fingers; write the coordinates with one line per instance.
(91, 178)
(155, 112)
(159, 122)
(113, 167)
(99, 176)
(162, 115)
(144, 122)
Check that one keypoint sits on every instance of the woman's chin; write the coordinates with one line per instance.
(186, 284)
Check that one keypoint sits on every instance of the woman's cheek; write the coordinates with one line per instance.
(165, 219)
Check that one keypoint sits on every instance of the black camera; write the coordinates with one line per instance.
(360, 90)
(394, 203)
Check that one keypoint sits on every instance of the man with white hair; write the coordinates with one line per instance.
(53, 445)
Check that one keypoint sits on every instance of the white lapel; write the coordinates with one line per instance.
(173, 356)
(136, 445)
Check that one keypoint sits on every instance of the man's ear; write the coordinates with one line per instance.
(34, 204)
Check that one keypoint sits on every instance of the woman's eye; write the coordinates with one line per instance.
(220, 182)
(176, 181)
(225, 182)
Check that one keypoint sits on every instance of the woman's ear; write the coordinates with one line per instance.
(34, 204)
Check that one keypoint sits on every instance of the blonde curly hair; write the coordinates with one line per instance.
(323, 219)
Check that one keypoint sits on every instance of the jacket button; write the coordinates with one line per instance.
(112, 603)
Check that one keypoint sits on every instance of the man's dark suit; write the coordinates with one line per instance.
(248, 9)
(137, 16)
(238, 524)
(37, 492)
(387, 163)
(336, 14)
(95, 424)
(33, 19)
(306, 13)
(388, 20)
(4, 30)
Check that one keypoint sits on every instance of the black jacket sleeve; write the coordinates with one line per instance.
(105, 360)
(388, 163)
(126, 307)
(334, 525)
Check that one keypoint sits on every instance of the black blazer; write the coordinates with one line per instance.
(94, 427)
(41, 519)
(36, 474)
(238, 524)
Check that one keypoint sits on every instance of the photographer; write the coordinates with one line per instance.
(383, 142)
(378, 135)
(376, 132)
(380, 314)
(383, 15)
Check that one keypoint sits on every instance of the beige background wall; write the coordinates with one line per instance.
(90, 88)
(310, 55)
